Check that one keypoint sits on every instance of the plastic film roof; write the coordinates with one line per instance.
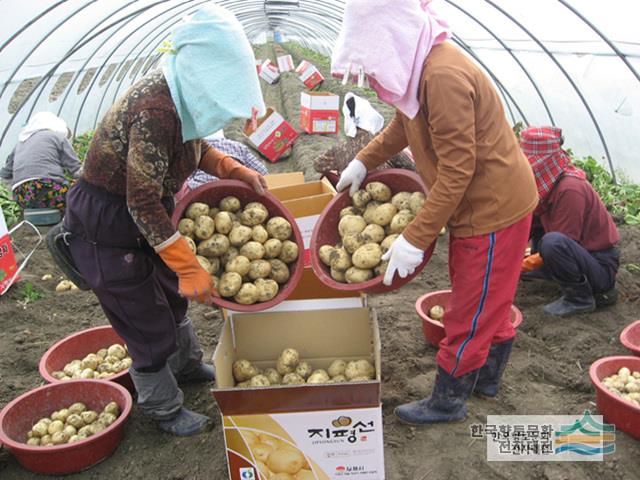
(572, 63)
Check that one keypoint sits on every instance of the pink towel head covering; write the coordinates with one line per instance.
(389, 40)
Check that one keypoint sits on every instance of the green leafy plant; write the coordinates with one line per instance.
(81, 144)
(11, 210)
(29, 293)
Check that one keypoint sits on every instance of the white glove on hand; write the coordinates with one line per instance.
(403, 258)
(353, 175)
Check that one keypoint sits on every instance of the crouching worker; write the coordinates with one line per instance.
(451, 116)
(122, 240)
(574, 237)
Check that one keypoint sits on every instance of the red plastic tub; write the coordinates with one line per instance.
(630, 337)
(77, 346)
(19, 415)
(433, 329)
(624, 415)
(325, 232)
(212, 193)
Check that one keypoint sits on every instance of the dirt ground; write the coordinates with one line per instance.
(547, 374)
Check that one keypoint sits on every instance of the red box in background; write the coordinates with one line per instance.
(285, 63)
(273, 136)
(319, 112)
(258, 65)
(269, 72)
(309, 74)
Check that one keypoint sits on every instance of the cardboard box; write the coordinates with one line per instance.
(306, 201)
(273, 136)
(275, 180)
(269, 72)
(335, 428)
(309, 74)
(319, 112)
(285, 63)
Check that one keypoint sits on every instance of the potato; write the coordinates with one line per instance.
(280, 228)
(230, 284)
(289, 252)
(90, 361)
(369, 211)
(378, 191)
(204, 263)
(436, 312)
(213, 211)
(337, 367)
(338, 379)
(279, 271)
(230, 204)
(239, 235)
(77, 407)
(381, 269)
(205, 227)
(259, 269)
(292, 378)
(383, 214)
(186, 226)
(215, 246)
(304, 369)
(272, 248)
(340, 259)
(401, 200)
(252, 250)
(349, 211)
(223, 222)
(61, 415)
(229, 255)
(351, 243)
(247, 295)
(415, 202)
(283, 369)
(324, 253)
(351, 225)
(319, 376)
(386, 243)
(400, 221)
(40, 429)
(89, 416)
(106, 418)
(338, 275)
(359, 368)
(267, 288)
(259, 381)
(64, 285)
(367, 256)
(191, 243)
(361, 198)
(69, 430)
(196, 209)
(59, 438)
(290, 357)
(358, 275)
(259, 234)
(286, 460)
(372, 234)
(33, 441)
(273, 376)
(254, 214)
(243, 370)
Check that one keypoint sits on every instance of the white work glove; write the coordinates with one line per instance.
(403, 258)
(353, 175)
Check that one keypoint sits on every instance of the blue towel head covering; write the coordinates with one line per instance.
(211, 72)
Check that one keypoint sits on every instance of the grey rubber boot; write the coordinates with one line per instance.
(577, 297)
(186, 362)
(490, 375)
(447, 403)
(160, 398)
(605, 299)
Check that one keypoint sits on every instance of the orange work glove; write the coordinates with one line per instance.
(224, 166)
(532, 262)
(194, 282)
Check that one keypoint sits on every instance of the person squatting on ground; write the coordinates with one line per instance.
(123, 242)
(40, 163)
(450, 115)
(574, 238)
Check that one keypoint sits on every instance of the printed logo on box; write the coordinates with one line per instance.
(247, 473)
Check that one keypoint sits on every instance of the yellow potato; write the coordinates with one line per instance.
(215, 246)
(324, 252)
(240, 235)
(191, 243)
(340, 259)
(351, 225)
(402, 200)
(400, 221)
(338, 275)
(267, 288)
(272, 248)
(243, 370)
(383, 214)
(286, 461)
(252, 250)
(289, 252)
(372, 234)
(361, 198)
(358, 275)
(259, 234)
(349, 211)
(378, 191)
(351, 243)
(436, 312)
(196, 209)
(186, 226)
(273, 376)
(259, 381)
(319, 376)
(230, 204)
(254, 214)
(223, 222)
(239, 264)
(247, 295)
(416, 201)
(386, 243)
(230, 284)
(205, 227)
(304, 369)
(279, 271)
(280, 228)
(259, 269)
(367, 256)
(336, 368)
(359, 368)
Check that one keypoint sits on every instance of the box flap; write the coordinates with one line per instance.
(276, 180)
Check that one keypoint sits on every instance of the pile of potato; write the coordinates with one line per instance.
(247, 253)
(367, 229)
(104, 363)
(625, 384)
(290, 370)
(275, 459)
(71, 424)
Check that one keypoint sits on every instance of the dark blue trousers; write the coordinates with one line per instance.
(569, 262)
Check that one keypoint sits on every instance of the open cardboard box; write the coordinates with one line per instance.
(275, 180)
(273, 135)
(319, 112)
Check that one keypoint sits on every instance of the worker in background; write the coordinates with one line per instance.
(449, 113)
(42, 165)
(574, 237)
(122, 239)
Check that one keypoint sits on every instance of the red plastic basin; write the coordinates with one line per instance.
(624, 415)
(211, 194)
(79, 345)
(19, 415)
(325, 232)
(433, 329)
(630, 337)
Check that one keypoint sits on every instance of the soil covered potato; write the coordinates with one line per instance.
(358, 275)
(336, 368)
(340, 259)
(240, 235)
(259, 234)
(186, 226)
(349, 211)
(280, 228)
(272, 248)
(230, 284)
(205, 227)
(254, 213)
(386, 243)
(196, 209)
(289, 252)
(367, 256)
(351, 243)
(243, 370)
(259, 269)
(253, 250)
(383, 214)
(359, 368)
(279, 271)
(239, 264)
(191, 243)
(415, 202)
(230, 204)
(372, 233)
(223, 222)
(215, 246)
(378, 191)
(361, 198)
(400, 221)
(319, 376)
(267, 289)
(351, 225)
(325, 254)
(401, 200)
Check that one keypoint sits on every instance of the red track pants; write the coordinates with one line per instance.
(484, 273)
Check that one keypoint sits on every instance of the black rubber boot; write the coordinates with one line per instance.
(186, 362)
(488, 384)
(446, 403)
(577, 298)
(606, 299)
(160, 398)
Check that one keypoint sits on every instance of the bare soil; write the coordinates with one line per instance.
(547, 374)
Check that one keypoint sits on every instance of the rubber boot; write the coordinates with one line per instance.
(160, 398)
(605, 299)
(577, 298)
(490, 375)
(186, 362)
(446, 403)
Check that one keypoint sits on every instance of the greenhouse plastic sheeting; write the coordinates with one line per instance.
(574, 64)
